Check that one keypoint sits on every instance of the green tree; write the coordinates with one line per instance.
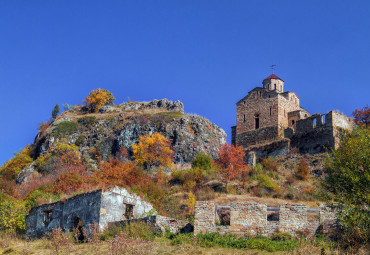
(55, 111)
(347, 183)
(202, 161)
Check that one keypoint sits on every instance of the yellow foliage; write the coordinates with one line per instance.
(12, 214)
(99, 97)
(63, 147)
(153, 150)
(191, 201)
(12, 167)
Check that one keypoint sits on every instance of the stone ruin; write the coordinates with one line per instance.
(243, 218)
(100, 208)
(269, 122)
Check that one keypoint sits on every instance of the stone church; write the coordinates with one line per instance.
(269, 122)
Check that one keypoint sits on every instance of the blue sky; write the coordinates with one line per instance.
(208, 54)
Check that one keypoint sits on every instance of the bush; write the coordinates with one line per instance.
(140, 230)
(202, 161)
(232, 241)
(266, 182)
(65, 128)
(303, 170)
(87, 121)
(12, 214)
(14, 166)
(270, 165)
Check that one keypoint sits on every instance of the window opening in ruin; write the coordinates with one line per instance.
(314, 123)
(78, 229)
(323, 119)
(270, 111)
(292, 122)
(257, 121)
(244, 117)
(269, 96)
(47, 217)
(244, 102)
(275, 86)
(129, 212)
(273, 216)
(223, 217)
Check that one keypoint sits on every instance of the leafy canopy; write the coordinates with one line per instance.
(347, 181)
(99, 97)
(230, 159)
(362, 116)
(153, 150)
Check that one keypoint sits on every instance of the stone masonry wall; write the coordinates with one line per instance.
(292, 217)
(255, 218)
(253, 137)
(205, 216)
(247, 217)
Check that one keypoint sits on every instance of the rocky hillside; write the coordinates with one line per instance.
(117, 126)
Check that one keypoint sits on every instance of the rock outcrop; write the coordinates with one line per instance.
(120, 126)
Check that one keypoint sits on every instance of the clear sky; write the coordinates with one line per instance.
(208, 54)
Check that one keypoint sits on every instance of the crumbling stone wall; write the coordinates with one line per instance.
(253, 137)
(97, 207)
(258, 218)
(292, 217)
(205, 217)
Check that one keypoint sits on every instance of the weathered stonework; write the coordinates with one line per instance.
(205, 216)
(98, 207)
(257, 218)
(268, 115)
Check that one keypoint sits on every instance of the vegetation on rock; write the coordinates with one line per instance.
(99, 97)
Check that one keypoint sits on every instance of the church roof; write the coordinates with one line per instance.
(273, 76)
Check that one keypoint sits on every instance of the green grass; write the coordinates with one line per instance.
(65, 128)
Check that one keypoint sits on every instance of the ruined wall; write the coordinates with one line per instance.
(247, 217)
(275, 148)
(328, 219)
(160, 223)
(64, 214)
(253, 137)
(320, 132)
(91, 208)
(114, 203)
(257, 218)
(292, 217)
(205, 216)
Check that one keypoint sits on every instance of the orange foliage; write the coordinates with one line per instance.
(98, 98)
(153, 150)
(362, 116)
(230, 159)
(115, 172)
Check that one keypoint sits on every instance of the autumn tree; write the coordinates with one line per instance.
(230, 160)
(99, 97)
(116, 172)
(153, 150)
(362, 116)
(55, 111)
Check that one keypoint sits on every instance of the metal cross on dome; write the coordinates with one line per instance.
(273, 66)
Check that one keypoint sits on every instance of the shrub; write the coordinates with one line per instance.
(266, 182)
(87, 121)
(140, 230)
(14, 166)
(303, 170)
(12, 214)
(270, 165)
(65, 128)
(202, 161)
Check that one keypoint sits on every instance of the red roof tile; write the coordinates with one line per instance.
(273, 76)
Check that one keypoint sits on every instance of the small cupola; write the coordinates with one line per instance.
(273, 83)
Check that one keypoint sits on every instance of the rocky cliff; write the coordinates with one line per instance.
(121, 125)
